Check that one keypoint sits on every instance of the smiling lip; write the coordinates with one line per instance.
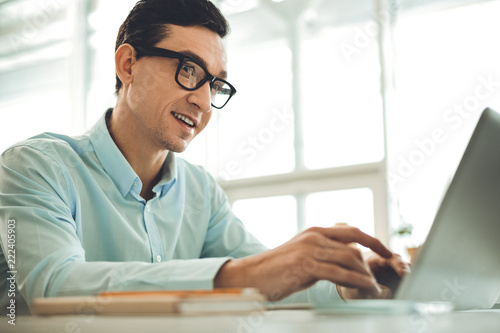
(188, 121)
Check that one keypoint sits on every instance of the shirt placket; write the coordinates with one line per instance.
(153, 234)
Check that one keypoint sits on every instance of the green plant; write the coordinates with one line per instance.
(404, 229)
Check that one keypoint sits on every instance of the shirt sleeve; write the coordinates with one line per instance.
(35, 192)
(226, 235)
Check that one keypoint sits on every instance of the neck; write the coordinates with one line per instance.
(146, 160)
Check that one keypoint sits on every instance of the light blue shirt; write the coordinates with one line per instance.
(81, 226)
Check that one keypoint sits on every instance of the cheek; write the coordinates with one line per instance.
(151, 77)
(147, 84)
(141, 92)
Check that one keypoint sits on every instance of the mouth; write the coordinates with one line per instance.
(188, 121)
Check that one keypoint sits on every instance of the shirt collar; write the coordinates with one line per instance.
(117, 166)
(169, 175)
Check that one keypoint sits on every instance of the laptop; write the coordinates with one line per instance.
(460, 259)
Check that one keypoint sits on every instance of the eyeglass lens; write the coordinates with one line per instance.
(191, 74)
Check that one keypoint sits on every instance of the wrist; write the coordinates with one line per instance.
(231, 275)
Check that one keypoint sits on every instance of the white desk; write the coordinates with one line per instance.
(262, 322)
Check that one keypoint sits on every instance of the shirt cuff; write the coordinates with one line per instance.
(202, 277)
(322, 293)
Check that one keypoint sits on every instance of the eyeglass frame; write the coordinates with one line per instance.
(165, 53)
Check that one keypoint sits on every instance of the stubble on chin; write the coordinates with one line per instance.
(168, 143)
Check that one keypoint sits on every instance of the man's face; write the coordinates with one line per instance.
(157, 102)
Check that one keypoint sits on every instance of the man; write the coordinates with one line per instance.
(114, 209)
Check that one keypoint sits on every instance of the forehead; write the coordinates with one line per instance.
(204, 43)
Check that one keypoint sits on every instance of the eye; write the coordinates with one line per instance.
(187, 70)
(217, 87)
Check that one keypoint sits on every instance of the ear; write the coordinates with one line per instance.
(124, 60)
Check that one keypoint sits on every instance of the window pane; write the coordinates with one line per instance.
(272, 220)
(26, 117)
(354, 207)
(342, 106)
(256, 127)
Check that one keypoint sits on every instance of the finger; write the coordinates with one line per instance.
(384, 293)
(399, 265)
(341, 253)
(344, 256)
(351, 234)
(376, 262)
(342, 276)
(327, 243)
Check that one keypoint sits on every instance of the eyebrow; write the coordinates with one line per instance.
(194, 56)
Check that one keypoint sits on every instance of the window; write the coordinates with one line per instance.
(446, 73)
(354, 207)
(256, 128)
(35, 77)
(340, 127)
(277, 225)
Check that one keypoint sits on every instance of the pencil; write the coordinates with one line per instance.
(181, 293)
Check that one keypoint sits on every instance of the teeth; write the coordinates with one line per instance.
(183, 118)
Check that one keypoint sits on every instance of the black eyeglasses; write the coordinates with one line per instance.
(191, 75)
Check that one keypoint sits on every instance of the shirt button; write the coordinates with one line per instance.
(158, 258)
(148, 208)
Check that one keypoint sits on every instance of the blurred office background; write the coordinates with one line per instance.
(352, 111)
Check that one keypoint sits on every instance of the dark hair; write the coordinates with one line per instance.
(146, 24)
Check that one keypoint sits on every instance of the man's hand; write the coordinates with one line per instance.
(388, 273)
(313, 255)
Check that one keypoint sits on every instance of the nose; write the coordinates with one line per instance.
(201, 97)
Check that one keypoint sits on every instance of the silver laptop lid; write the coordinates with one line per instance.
(460, 260)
